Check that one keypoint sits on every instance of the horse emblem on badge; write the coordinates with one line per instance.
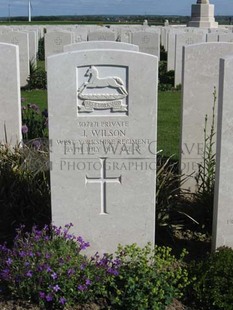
(102, 91)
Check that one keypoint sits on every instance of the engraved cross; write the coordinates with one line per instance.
(15, 41)
(58, 41)
(103, 180)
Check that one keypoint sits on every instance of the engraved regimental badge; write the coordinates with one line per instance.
(102, 90)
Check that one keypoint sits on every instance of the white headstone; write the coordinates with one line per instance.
(101, 36)
(200, 76)
(223, 199)
(22, 40)
(184, 39)
(100, 44)
(103, 133)
(10, 105)
(55, 41)
(148, 42)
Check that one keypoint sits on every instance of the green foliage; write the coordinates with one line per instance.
(34, 122)
(37, 78)
(213, 287)
(165, 77)
(148, 278)
(24, 189)
(41, 49)
(170, 212)
(206, 173)
(163, 54)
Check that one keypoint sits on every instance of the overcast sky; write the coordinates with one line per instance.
(91, 7)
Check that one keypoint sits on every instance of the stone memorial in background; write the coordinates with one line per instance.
(223, 198)
(22, 40)
(10, 105)
(200, 78)
(203, 15)
(100, 45)
(102, 124)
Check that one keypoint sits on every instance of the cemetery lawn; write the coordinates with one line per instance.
(38, 97)
(169, 123)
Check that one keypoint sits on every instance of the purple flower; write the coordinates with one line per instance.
(82, 288)
(113, 271)
(24, 129)
(23, 99)
(49, 297)
(56, 288)
(36, 144)
(70, 272)
(48, 269)
(88, 282)
(42, 295)
(62, 300)
(29, 273)
(9, 261)
(54, 276)
(5, 274)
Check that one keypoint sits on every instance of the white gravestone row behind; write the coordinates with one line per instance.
(102, 123)
(148, 42)
(200, 77)
(21, 39)
(223, 200)
(184, 39)
(100, 45)
(101, 36)
(10, 105)
(55, 41)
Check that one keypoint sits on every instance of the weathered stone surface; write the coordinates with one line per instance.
(100, 44)
(10, 105)
(22, 40)
(223, 199)
(200, 77)
(148, 42)
(102, 124)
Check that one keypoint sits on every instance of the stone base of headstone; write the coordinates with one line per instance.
(203, 16)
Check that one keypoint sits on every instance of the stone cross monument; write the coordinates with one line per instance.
(203, 15)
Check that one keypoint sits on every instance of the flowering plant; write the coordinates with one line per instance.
(34, 122)
(47, 267)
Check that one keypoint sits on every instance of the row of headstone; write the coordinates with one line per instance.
(148, 42)
(105, 150)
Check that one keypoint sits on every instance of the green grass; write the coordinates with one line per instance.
(38, 97)
(169, 123)
(168, 117)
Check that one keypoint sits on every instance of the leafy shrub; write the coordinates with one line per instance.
(213, 287)
(163, 54)
(166, 79)
(37, 78)
(41, 50)
(148, 278)
(35, 123)
(47, 267)
(24, 189)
